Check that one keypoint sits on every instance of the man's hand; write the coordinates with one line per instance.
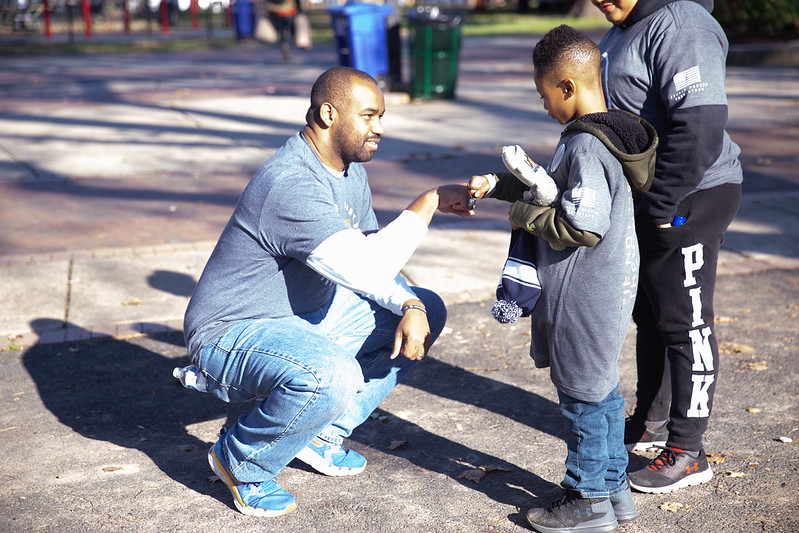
(454, 199)
(447, 199)
(412, 338)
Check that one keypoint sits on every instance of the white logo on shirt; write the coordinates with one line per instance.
(687, 77)
(584, 204)
(585, 198)
(687, 81)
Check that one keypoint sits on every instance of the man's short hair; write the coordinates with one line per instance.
(565, 52)
(335, 87)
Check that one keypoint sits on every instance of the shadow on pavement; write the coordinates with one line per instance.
(118, 392)
(123, 393)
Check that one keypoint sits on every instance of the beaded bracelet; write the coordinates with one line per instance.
(418, 307)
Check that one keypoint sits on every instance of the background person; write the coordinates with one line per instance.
(665, 61)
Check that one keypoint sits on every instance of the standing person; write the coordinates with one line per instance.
(587, 260)
(665, 61)
(282, 14)
(301, 305)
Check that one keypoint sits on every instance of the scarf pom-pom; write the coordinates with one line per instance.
(506, 312)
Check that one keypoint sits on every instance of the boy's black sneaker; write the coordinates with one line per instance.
(637, 437)
(573, 513)
(623, 506)
(671, 470)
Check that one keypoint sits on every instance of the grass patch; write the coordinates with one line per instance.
(505, 23)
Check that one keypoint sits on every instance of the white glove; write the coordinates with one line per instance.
(543, 191)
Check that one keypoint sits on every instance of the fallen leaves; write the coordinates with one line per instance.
(133, 301)
(730, 473)
(717, 458)
(735, 347)
(397, 444)
(757, 366)
(728, 348)
(476, 474)
(673, 507)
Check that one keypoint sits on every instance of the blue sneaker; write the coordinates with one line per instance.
(332, 459)
(256, 499)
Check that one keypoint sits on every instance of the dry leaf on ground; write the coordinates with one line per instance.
(716, 458)
(673, 506)
(734, 474)
(476, 474)
(397, 444)
(757, 366)
(494, 468)
(735, 347)
(473, 474)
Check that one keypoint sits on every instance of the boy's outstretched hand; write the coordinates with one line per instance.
(478, 187)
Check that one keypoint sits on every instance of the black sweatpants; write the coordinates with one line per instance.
(676, 348)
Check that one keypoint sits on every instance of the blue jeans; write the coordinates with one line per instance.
(321, 373)
(596, 463)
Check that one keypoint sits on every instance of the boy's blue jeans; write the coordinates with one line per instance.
(321, 373)
(596, 463)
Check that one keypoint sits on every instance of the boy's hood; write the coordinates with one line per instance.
(644, 8)
(631, 140)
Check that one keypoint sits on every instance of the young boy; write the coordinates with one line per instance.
(587, 259)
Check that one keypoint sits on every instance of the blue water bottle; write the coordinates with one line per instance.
(678, 220)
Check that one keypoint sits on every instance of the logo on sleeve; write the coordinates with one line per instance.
(687, 81)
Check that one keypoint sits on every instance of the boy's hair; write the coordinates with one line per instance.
(565, 52)
(334, 86)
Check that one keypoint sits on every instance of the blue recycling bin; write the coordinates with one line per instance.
(360, 34)
(243, 19)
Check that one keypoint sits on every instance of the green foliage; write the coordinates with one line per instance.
(758, 19)
(499, 22)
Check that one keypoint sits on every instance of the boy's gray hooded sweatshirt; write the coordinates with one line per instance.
(666, 63)
(589, 283)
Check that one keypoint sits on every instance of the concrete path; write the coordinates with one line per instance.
(117, 174)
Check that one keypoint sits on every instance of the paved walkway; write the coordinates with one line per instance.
(117, 174)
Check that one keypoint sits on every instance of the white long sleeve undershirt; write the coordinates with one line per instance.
(370, 264)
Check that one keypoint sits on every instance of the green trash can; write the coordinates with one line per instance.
(434, 50)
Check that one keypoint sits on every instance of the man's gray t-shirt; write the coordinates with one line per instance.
(258, 268)
(582, 316)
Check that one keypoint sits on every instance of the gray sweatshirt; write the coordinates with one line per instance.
(666, 63)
